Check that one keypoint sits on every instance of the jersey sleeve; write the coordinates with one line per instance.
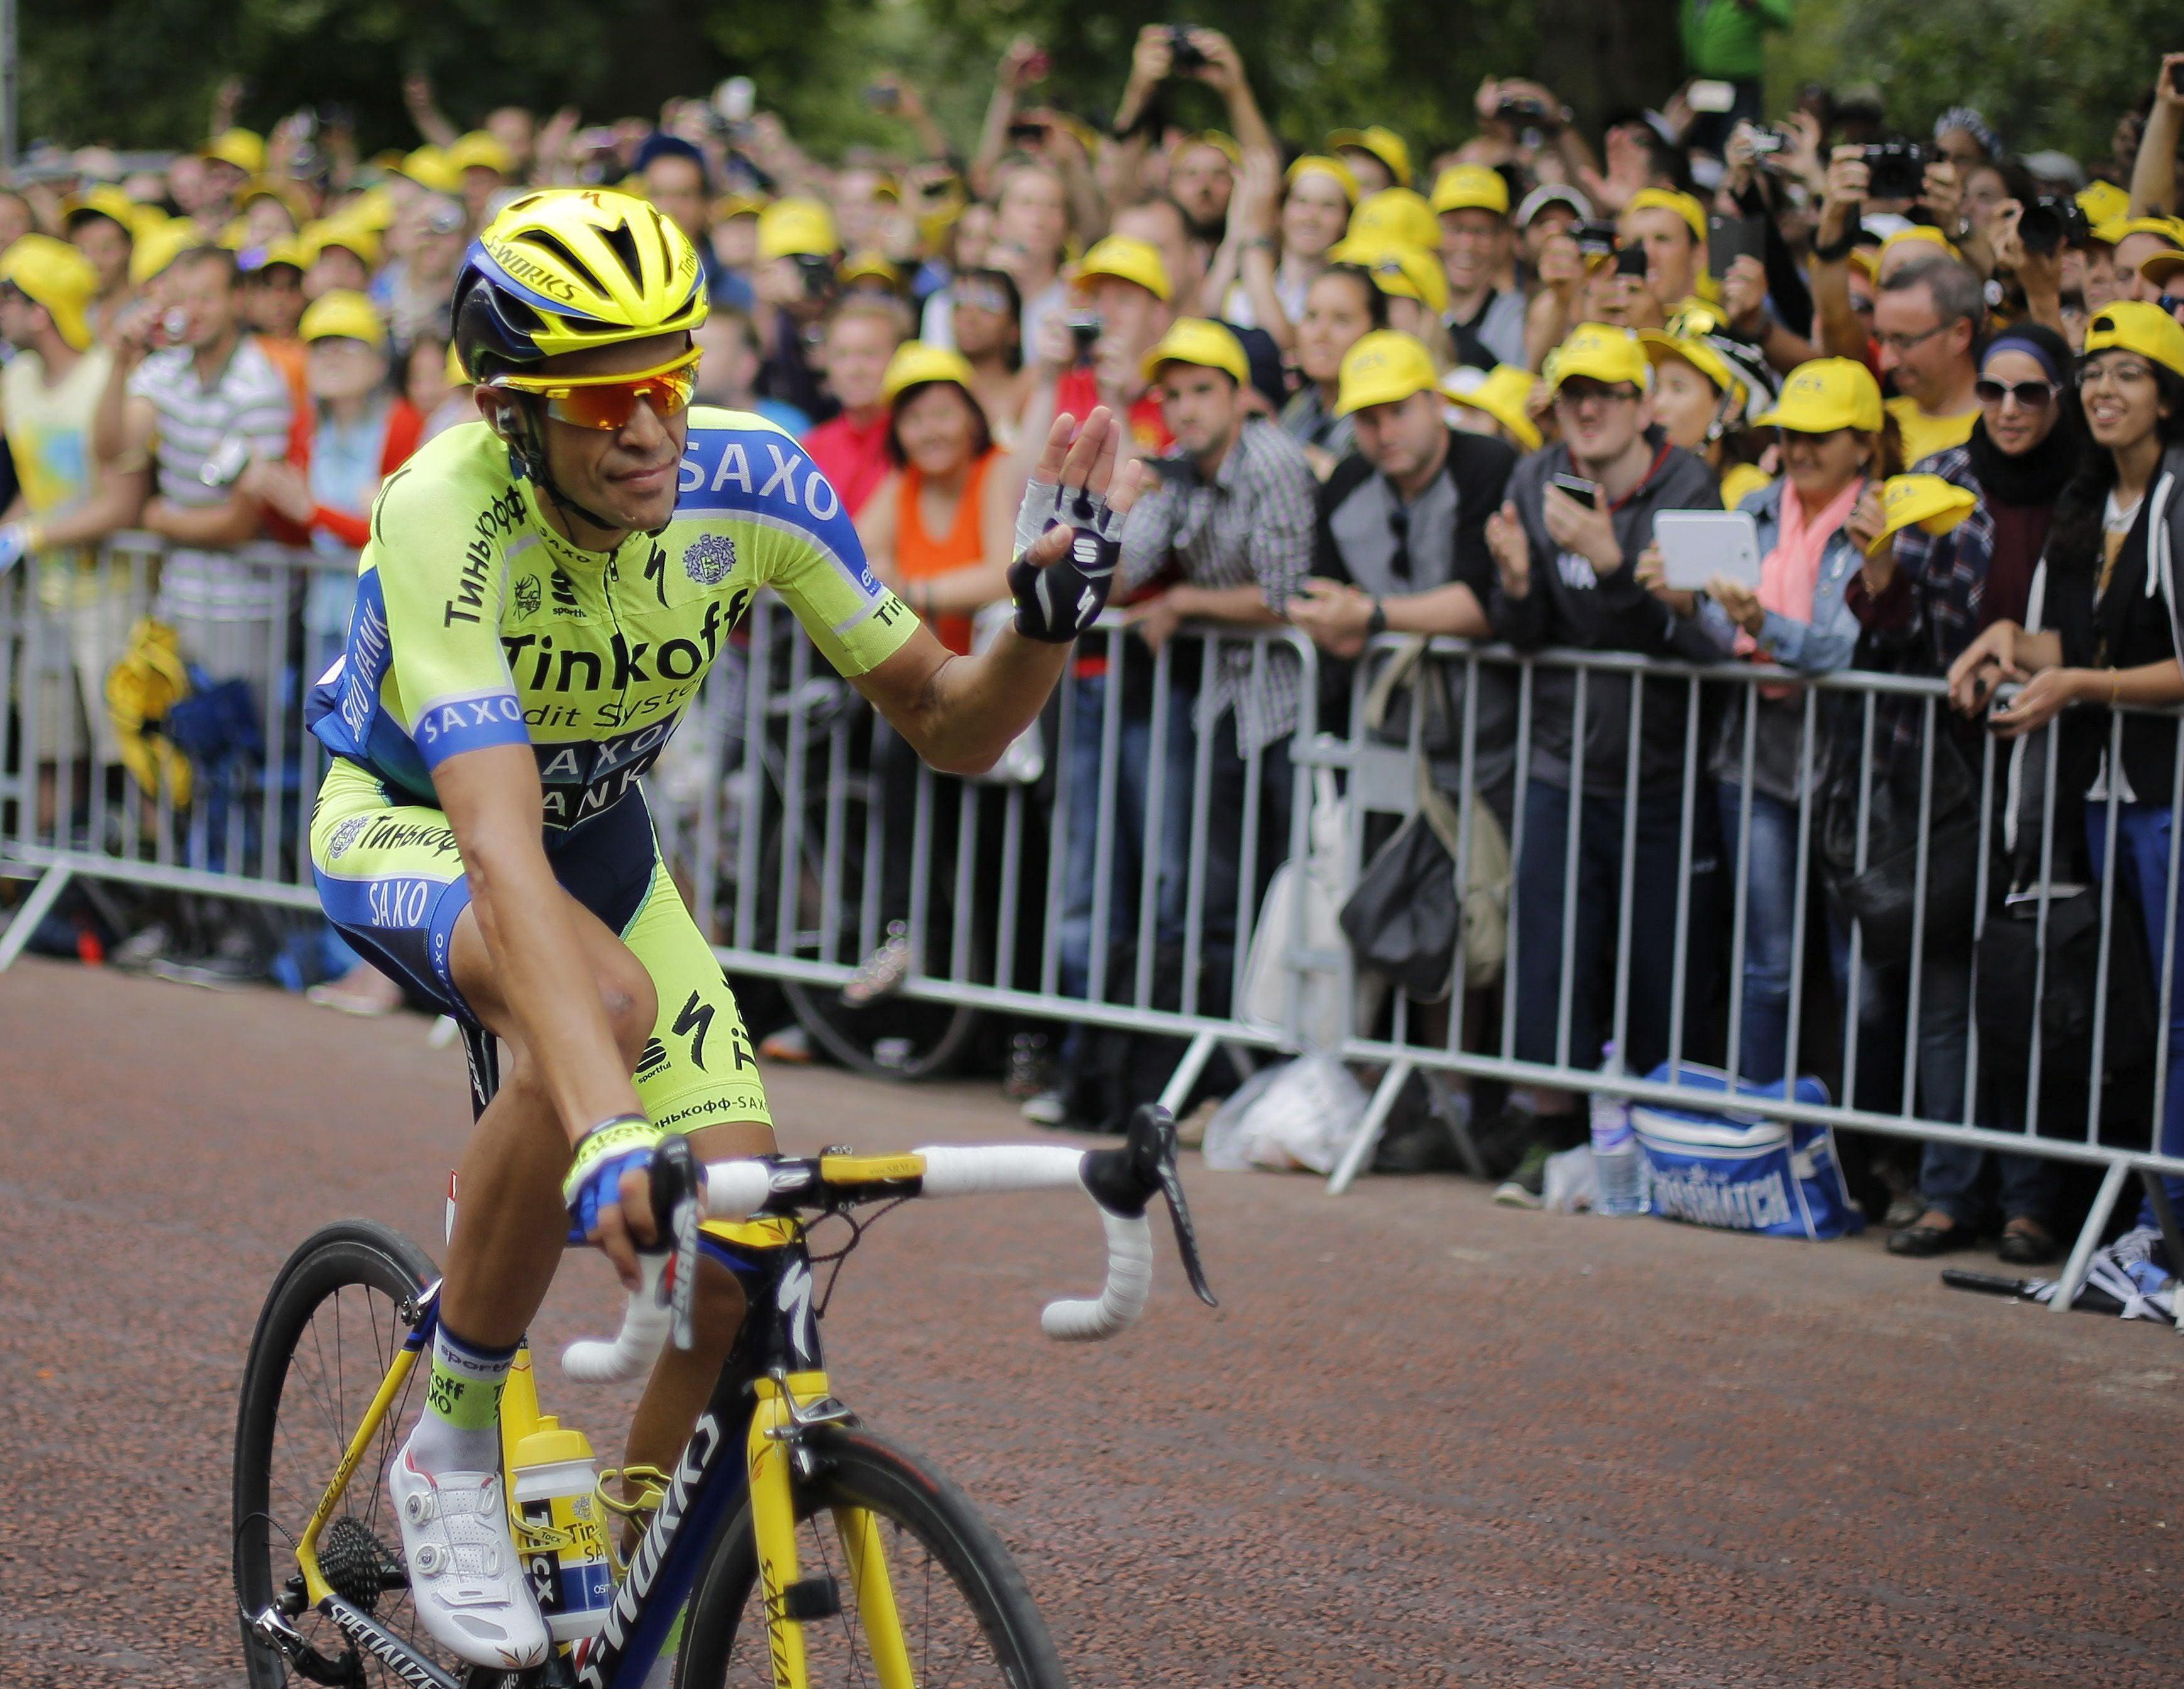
(808, 551)
(439, 550)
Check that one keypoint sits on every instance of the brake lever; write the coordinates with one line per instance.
(1153, 1159)
(678, 1189)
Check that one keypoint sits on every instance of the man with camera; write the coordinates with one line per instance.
(1179, 52)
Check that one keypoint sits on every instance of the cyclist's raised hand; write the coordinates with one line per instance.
(1069, 526)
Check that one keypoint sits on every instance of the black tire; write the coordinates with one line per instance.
(337, 1313)
(948, 1567)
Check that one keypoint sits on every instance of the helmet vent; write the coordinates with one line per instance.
(623, 244)
(555, 245)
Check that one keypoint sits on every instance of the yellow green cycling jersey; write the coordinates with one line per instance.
(475, 624)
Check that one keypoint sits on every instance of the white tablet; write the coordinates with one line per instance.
(1696, 545)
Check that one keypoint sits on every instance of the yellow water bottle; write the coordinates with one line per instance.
(554, 1506)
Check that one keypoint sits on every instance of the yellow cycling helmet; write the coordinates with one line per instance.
(567, 269)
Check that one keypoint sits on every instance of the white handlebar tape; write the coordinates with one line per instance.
(1129, 1282)
(991, 1169)
(736, 1189)
(644, 1334)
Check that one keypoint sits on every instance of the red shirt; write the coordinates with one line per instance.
(1076, 393)
(853, 456)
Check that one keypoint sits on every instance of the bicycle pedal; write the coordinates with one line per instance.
(810, 1598)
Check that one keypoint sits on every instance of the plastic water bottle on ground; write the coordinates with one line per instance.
(1620, 1163)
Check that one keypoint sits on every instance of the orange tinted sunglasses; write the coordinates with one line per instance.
(607, 403)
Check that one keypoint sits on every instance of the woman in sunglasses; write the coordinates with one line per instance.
(2107, 621)
(1923, 598)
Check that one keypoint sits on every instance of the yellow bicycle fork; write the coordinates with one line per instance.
(771, 1452)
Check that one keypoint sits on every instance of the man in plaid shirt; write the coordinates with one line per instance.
(1230, 526)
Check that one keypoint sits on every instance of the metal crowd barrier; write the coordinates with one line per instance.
(70, 810)
(1111, 875)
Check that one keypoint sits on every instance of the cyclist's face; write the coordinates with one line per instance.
(628, 474)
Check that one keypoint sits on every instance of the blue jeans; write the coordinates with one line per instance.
(2142, 840)
(1656, 872)
(1770, 914)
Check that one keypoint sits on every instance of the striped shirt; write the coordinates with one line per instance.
(1251, 525)
(248, 400)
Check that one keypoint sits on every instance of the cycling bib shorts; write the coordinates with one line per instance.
(474, 624)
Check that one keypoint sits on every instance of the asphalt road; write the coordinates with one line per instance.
(1423, 1442)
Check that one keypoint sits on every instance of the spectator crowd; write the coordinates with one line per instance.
(1389, 388)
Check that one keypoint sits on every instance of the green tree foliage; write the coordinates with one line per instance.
(2045, 73)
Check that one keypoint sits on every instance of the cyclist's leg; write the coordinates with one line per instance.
(695, 1075)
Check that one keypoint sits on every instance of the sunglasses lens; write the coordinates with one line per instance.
(611, 405)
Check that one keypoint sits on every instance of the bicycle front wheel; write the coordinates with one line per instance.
(966, 1618)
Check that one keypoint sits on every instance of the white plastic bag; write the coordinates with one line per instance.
(1572, 1182)
(1302, 910)
(1301, 1114)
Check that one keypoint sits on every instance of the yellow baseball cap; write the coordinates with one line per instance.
(428, 167)
(1503, 393)
(1195, 340)
(737, 205)
(321, 237)
(285, 194)
(1668, 200)
(915, 363)
(2104, 202)
(1599, 352)
(244, 148)
(338, 314)
(1918, 231)
(1471, 187)
(159, 245)
(1219, 140)
(1396, 267)
(1397, 213)
(1326, 166)
(287, 250)
(2131, 326)
(479, 151)
(1382, 142)
(1384, 367)
(1691, 349)
(1933, 504)
(53, 274)
(2160, 267)
(1127, 259)
(1826, 395)
(373, 209)
(875, 266)
(2117, 230)
(105, 201)
(790, 227)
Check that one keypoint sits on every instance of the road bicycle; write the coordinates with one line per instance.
(789, 1546)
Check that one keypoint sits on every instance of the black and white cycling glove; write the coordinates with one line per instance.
(1063, 599)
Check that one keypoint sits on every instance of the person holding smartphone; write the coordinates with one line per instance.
(2107, 636)
(1566, 544)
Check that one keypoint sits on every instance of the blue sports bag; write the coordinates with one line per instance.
(1740, 1171)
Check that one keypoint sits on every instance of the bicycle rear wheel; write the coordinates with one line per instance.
(338, 1312)
(967, 1618)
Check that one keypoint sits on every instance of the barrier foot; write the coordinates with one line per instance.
(1367, 1139)
(35, 907)
(2164, 1217)
(2089, 1237)
(1456, 1120)
(1178, 1089)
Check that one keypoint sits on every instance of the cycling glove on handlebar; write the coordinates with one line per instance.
(1056, 604)
(604, 1154)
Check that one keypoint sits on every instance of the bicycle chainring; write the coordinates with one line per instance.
(355, 1565)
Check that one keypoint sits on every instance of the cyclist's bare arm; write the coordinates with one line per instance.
(960, 713)
(543, 966)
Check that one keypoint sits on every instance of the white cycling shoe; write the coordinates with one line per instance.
(466, 1579)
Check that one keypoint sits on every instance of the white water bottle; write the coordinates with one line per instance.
(1616, 1157)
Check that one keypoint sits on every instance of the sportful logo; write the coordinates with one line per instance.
(651, 1552)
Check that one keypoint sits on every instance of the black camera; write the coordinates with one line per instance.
(1594, 239)
(1085, 328)
(1895, 169)
(1523, 111)
(1184, 55)
(2052, 222)
(817, 270)
(1767, 142)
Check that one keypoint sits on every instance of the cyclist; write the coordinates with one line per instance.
(541, 598)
